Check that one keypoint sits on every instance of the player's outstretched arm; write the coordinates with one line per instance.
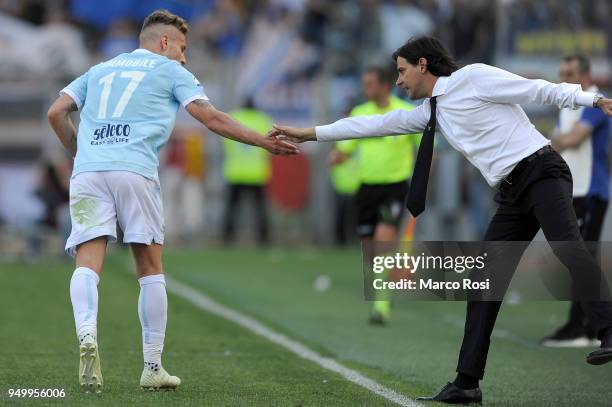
(223, 124)
(59, 119)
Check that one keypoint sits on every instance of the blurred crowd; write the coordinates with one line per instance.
(559, 14)
(354, 32)
(351, 32)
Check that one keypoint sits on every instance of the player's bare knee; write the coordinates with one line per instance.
(91, 254)
(148, 270)
(148, 259)
(97, 267)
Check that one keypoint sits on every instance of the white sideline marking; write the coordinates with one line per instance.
(207, 304)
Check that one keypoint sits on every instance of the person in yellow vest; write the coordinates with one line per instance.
(247, 171)
(345, 185)
(384, 169)
(194, 173)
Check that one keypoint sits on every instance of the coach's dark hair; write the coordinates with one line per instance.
(164, 17)
(383, 74)
(439, 60)
(584, 65)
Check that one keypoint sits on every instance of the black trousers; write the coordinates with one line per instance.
(590, 212)
(538, 195)
(235, 194)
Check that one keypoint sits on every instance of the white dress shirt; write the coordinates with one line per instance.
(478, 112)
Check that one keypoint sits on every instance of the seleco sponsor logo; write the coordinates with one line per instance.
(112, 130)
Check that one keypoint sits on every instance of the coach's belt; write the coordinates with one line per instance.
(520, 167)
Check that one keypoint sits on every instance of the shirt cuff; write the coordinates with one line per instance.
(324, 133)
(585, 98)
(74, 97)
(196, 97)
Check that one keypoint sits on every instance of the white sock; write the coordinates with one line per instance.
(152, 310)
(84, 297)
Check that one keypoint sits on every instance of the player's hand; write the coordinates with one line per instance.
(276, 146)
(295, 134)
(606, 106)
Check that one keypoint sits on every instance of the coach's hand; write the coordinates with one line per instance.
(277, 146)
(605, 105)
(295, 134)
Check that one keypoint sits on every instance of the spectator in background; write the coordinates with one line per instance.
(52, 190)
(59, 46)
(366, 30)
(183, 177)
(223, 28)
(582, 138)
(33, 11)
(345, 181)
(121, 37)
(403, 19)
(194, 171)
(247, 171)
(52, 193)
(317, 16)
(352, 36)
(473, 31)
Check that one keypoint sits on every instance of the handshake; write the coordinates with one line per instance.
(280, 139)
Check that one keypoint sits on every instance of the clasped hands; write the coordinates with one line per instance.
(280, 139)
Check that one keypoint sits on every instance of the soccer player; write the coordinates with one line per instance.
(384, 167)
(477, 109)
(128, 106)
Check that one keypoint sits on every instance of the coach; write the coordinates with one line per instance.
(477, 109)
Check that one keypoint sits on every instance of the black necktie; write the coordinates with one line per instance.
(420, 176)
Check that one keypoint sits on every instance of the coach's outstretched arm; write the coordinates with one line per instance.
(61, 123)
(223, 124)
(396, 122)
(499, 86)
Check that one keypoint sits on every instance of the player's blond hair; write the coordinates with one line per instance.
(164, 17)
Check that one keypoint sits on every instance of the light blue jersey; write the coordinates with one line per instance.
(128, 107)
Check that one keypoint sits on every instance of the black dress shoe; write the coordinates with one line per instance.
(599, 356)
(603, 354)
(452, 394)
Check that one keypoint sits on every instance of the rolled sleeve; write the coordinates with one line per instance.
(585, 99)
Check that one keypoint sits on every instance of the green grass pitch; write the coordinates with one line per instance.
(222, 364)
